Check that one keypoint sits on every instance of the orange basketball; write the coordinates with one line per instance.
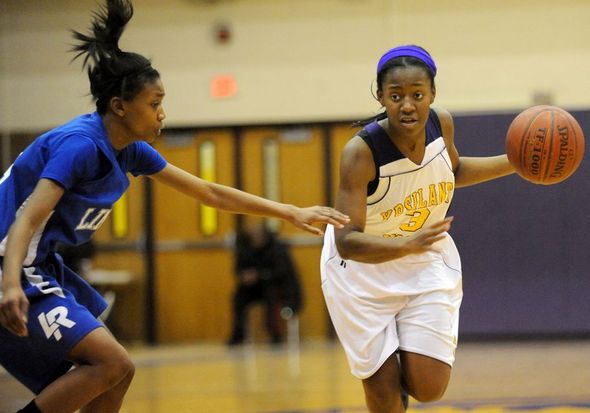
(545, 144)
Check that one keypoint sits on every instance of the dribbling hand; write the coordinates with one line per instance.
(14, 308)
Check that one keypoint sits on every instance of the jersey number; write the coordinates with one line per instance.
(416, 221)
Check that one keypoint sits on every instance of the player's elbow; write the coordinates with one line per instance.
(345, 249)
(347, 243)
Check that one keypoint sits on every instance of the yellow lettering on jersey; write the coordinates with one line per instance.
(432, 199)
(415, 201)
(421, 202)
(442, 192)
(450, 187)
(408, 202)
(386, 214)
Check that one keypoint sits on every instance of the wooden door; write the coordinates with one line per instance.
(287, 164)
(194, 266)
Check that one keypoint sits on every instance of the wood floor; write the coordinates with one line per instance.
(541, 377)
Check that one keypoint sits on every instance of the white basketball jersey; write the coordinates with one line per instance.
(404, 199)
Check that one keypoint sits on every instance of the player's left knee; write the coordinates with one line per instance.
(117, 370)
(427, 394)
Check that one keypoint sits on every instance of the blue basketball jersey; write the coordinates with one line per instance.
(63, 306)
(79, 157)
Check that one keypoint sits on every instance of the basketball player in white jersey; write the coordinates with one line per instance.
(391, 278)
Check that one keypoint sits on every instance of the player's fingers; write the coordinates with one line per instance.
(331, 216)
(11, 324)
(19, 328)
(336, 223)
(444, 223)
(15, 319)
(449, 220)
(21, 325)
(441, 226)
(435, 239)
(435, 233)
(24, 308)
(312, 229)
(336, 215)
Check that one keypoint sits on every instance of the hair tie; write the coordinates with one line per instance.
(407, 50)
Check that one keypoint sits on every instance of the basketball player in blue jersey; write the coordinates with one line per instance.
(61, 189)
(391, 278)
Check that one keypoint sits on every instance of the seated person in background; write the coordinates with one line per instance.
(265, 273)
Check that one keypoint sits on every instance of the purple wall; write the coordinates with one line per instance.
(524, 247)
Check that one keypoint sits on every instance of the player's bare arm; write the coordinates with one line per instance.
(234, 200)
(14, 305)
(471, 170)
(475, 170)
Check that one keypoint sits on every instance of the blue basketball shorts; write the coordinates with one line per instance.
(64, 308)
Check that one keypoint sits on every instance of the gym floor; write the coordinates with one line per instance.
(540, 377)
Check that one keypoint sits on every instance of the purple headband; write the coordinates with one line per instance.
(408, 50)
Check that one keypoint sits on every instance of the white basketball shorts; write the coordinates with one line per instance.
(372, 329)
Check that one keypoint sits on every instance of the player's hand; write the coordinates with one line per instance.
(428, 236)
(14, 308)
(304, 218)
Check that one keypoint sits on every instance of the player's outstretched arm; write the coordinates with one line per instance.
(474, 170)
(471, 170)
(240, 202)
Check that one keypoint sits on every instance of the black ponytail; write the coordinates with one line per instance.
(111, 71)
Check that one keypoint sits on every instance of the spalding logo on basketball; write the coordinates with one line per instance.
(545, 144)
